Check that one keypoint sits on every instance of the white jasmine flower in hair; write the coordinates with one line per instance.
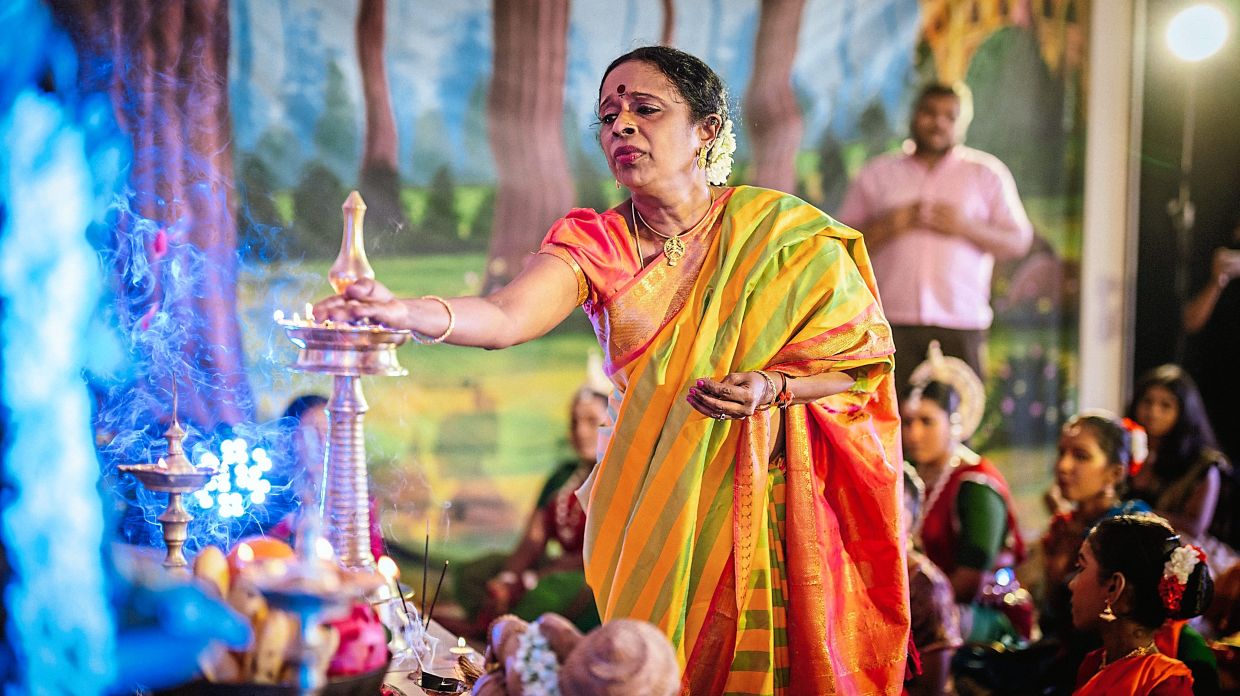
(719, 159)
(1181, 564)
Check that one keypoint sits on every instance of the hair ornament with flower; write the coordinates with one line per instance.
(719, 157)
(1139, 446)
(1176, 571)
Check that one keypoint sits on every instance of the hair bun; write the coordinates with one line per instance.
(1198, 592)
(1185, 586)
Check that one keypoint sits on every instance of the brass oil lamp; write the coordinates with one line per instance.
(175, 475)
(347, 352)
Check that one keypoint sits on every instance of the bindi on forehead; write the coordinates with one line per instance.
(620, 89)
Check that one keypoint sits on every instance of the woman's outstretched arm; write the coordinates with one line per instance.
(538, 299)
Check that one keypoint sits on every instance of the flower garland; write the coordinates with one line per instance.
(719, 158)
(1176, 571)
(536, 664)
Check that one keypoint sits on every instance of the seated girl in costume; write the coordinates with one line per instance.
(967, 527)
(545, 573)
(1132, 575)
(1185, 472)
(1097, 452)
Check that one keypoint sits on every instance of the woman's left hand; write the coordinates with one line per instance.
(738, 395)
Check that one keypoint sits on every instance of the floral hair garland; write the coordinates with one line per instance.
(1176, 570)
(1139, 447)
(536, 664)
(719, 158)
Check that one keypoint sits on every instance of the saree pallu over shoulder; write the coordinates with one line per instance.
(677, 503)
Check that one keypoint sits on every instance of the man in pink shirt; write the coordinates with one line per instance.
(935, 217)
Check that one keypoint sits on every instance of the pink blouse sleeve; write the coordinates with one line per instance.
(594, 247)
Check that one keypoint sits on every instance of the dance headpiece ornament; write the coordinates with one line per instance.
(536, 664)
(1139, 446)
(956, 374)
(1176, 571)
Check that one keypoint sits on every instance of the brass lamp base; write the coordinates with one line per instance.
(347, 352)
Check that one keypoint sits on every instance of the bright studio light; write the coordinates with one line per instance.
(1197, 32)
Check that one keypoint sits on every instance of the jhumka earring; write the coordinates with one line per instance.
(617, 184)
(701, 158)
(1107, 615)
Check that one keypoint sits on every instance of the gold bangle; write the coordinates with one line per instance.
(770, 389)
(427, 340)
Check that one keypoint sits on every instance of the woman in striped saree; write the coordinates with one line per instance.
(747, 499)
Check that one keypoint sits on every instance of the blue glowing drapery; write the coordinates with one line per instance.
(58, 155)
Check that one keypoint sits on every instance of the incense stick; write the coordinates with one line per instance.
(403, 601)
(436, 597)
(426, 559)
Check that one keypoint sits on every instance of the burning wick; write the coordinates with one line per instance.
(309, 312)
(388, 569)
(436, 597)
(278, 315)
(244, 557)
(323, 549)
(461, 648)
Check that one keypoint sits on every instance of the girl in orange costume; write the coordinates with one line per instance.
(1132, 575)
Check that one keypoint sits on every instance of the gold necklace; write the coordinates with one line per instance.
(1135, 652)
(673, 245)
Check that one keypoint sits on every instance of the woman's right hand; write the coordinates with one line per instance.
(366, 300)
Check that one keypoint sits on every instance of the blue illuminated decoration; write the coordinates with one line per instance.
(59, 158)
(242, 479)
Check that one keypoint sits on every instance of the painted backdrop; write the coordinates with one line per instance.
(469, 127)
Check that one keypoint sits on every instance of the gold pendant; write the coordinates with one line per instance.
(674, 250)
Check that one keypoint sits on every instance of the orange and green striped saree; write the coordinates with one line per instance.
(781, 576)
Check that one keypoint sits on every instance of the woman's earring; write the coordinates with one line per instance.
(701, 158)
(617, 184)
(1107, 615)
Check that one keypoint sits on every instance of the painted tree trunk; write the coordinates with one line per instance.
(379, 177)
(773, 117)
(174, 247)
(525, 110)
(669, 23)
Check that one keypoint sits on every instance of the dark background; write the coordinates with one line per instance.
(1215, 180)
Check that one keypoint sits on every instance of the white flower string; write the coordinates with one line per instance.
(536, 664)
(1181, 564)
(1176, 572)
(719, 158)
